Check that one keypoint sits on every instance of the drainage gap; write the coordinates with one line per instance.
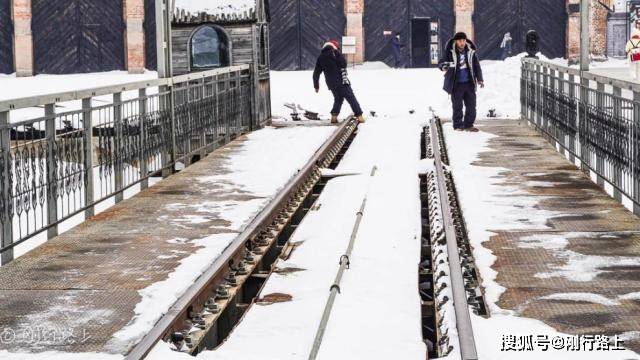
(438, 312)
(211, 323)
(434, 286)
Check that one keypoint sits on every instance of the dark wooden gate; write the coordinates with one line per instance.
(6, 37)
(78, 36)
(494, 18)
(298, 29)
(396, 16)
(149, 25)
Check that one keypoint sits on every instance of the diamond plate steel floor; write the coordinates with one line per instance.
(598, 231)
(74, 292)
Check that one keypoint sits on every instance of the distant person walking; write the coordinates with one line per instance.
(633, 53)
(396, 49)
(332, 63)
(462, 76)
(506, 46)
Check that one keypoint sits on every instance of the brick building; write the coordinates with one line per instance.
(372, 23)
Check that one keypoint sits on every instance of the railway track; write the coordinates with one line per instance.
(208, 312)
(449, 286)
(205, 315)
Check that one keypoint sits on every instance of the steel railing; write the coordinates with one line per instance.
(84, 147)
(593, 119)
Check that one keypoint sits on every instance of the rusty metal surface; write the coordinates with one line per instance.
(86, 281)
(605, 229)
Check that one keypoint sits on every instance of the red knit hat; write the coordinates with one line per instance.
(333, 43)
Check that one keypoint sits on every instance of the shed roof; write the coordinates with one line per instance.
(222, 11)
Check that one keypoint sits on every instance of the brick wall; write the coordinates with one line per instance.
(354, 10)
(597, 31)
(23, 50)
(134, 17)
(464, 17)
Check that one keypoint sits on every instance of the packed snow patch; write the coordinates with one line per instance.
(582, 297)
(630, 296)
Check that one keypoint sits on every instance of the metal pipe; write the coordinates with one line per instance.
(335, 288)
(463, 319)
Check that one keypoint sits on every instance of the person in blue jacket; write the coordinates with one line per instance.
(462, 76)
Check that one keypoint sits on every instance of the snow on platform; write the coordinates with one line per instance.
(110, 279)
(557, 255)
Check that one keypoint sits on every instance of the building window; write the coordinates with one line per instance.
(209, 48)
(264, 49)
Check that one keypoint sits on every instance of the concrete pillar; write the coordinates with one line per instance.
(134, 17)
(23, 40)
(354, 10)
(464, 17)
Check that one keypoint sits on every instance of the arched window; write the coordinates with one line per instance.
(264, 48)
(209, 48)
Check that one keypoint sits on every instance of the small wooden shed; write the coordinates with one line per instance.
(209, 34)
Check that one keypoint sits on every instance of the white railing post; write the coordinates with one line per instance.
(52, 168)
(87, 126)
(6, 193)
(118, 166)
(142, 111)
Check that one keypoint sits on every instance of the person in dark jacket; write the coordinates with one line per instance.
(396, 49)
(332, 63)
(462, 76)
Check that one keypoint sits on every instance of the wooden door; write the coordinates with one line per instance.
(494, 18)
(382, 16)
(149, 25)
(6, 37)
(78, 36)
(298, 29)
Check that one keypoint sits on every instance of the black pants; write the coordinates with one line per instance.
(339, 95)
(464, 94)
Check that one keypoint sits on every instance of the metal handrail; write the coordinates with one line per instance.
(589, 117)
(31, 101)
(57, 165)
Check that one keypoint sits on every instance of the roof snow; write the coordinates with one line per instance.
(216, 7)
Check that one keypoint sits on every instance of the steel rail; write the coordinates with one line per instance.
(178, 311)
(463, 318)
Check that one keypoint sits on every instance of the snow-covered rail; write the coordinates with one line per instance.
(448, 269)
(205, 315)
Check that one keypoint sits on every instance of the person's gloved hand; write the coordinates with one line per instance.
(345, 78)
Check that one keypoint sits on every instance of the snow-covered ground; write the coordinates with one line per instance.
(19, 87)
(12, 87)
(394, 92)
